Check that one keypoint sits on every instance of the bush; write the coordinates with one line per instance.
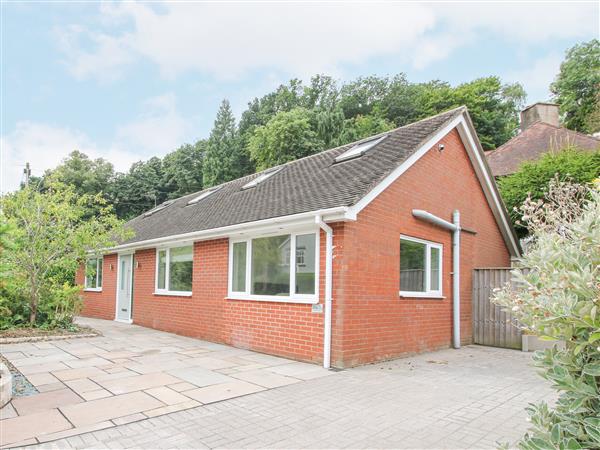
(532, 178)
(560, 299)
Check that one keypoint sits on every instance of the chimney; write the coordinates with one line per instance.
(539, 112)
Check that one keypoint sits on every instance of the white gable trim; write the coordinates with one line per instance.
(481, 169)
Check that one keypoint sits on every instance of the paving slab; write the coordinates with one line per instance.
(96, 411)
(166, 395)
(82, 385)
(200, 376)
(265, 378)
(32, 425)
(224, 391)
(39, 379)
(73, 374)
(94, 395)
(45, 401)
(138, 382)
(7, 412)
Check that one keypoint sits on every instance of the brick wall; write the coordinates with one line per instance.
(376, 323)
(284, 329)
(101, 304)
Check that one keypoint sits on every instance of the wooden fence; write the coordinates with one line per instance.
(491, 325)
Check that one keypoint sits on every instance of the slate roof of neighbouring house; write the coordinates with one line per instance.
(308, 184)
(532, 143)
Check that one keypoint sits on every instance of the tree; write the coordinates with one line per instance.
(533, 177)
(139, 189)
(576, 86)
(559, 298)
(225, 159)
(288, 136)
(182, 169)
(361, 127)
(87, 176)
(50, 236)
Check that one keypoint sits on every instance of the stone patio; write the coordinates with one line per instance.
(129, 374)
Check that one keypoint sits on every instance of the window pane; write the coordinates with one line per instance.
(239, 267)
(412, 266)
(271, 266)
(305, 264)
(435, 269)
(162, 268)
(180, 269)
(100, 262)
(90, 273)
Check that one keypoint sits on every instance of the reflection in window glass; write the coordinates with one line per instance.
(412, 266)
(305, 264)
(435, 269)
(162, 269)
(239, 267)
(271, 266)
(180, 269)
(91, 272)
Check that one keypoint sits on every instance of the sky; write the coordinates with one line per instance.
(128, 81)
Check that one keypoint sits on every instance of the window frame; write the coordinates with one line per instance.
(428, 293)
(292, 297)
(99, 265)
(166, 290)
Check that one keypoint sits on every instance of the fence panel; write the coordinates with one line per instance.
(491, 325)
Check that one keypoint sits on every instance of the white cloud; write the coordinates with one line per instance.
(537, 76)
(231, 38)
(158, 130)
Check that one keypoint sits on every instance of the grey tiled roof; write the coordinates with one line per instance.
(308, 184)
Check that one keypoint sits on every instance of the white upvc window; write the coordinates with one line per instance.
(93, 274)
(280, 267)
(420, 268)
(174, 270)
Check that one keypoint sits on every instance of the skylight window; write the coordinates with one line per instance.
(203, 195)
(359, 149)
(261, 178)
(158, 208)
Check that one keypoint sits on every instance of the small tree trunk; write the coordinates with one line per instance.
(33, 303)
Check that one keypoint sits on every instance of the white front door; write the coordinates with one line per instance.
(124, 288)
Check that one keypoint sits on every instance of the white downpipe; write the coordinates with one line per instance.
(455, 228)
(328, 290)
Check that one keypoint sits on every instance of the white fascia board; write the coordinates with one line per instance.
(387, 181)
(265, 225)
(481, 169)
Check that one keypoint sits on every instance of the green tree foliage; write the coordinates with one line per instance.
(140, 189)
(182, 169)
(50, 233)
(286, 137)
(225, 159)
(559, 299)
(533, 177)
(85, 175)
(577, 85)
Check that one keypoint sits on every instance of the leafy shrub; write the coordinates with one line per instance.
(560, 299)
(532, 178)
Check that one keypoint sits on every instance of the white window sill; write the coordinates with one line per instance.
(173, 293)
(92, 289)
(273, 298)
(432, 295)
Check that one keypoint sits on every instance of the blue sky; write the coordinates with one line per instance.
(127, 81)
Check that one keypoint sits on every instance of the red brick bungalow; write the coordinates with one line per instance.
(341, 258)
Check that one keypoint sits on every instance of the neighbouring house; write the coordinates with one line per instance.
(342, 258)
(540, 133)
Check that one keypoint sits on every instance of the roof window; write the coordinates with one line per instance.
(259, 179)
(158, 208)
(203, 195)
(359, 149)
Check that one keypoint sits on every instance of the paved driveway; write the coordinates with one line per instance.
(128, 374)
(467, 398)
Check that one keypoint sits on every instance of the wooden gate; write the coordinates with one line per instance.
(491, 325)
